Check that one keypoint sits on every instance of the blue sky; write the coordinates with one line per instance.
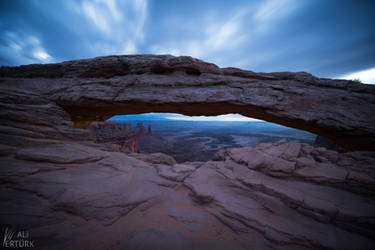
(328, 38)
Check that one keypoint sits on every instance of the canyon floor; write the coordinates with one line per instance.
(199, 140)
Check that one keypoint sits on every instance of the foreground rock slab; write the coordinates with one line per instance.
(266, 189)
(245, 198)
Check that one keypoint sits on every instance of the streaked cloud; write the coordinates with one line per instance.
(122, 24)
(26, 47)
(140, 8)
(41, 55)
(218, 35)
(179, 117)
(221, 118)
(66, 30)
(96, 15)
(273, 9)
(365, 76)
(326, 38)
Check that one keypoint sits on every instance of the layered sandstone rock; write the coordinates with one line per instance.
(284, 195)
(292, 193)
(96, 89)
(114, 133)
(72, 193)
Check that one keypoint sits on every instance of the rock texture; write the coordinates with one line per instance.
(120, 134)
(284, 195)
(321, 141)
(72, 193)
(96, 89)
(292, 193)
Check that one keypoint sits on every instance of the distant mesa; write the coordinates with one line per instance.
(115, 133)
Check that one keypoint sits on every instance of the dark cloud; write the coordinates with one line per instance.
(327, 38)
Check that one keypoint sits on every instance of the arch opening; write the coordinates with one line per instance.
(190, 138)
(83, 113)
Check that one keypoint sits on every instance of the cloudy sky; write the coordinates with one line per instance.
(328, 38)
(179, 117)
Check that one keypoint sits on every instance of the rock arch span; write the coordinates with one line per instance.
(96, 89)
(278, 195)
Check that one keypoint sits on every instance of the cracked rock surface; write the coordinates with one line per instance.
(245, 198)
(71, 193)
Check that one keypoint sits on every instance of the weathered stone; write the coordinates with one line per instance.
(323, 172)
(157, 158)
(177, 172)
(120, 134)
(96, 89)
(305, 162)
(75, 194)
(269, 204)
(61, 153)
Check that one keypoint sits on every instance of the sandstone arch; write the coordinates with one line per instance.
(278, 195)
(96, 89)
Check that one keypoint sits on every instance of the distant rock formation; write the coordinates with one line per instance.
(127, 138)
(140, 129)
(120, 134)
(130, 145)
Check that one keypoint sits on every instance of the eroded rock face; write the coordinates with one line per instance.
(284, 195)
(72, 193)
(292, 193)
(96, 89)
(121, 135)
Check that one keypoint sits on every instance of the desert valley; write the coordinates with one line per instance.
(186, 140)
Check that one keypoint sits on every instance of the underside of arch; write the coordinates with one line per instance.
(96, 89)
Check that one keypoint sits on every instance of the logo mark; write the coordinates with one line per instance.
(17, 239)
